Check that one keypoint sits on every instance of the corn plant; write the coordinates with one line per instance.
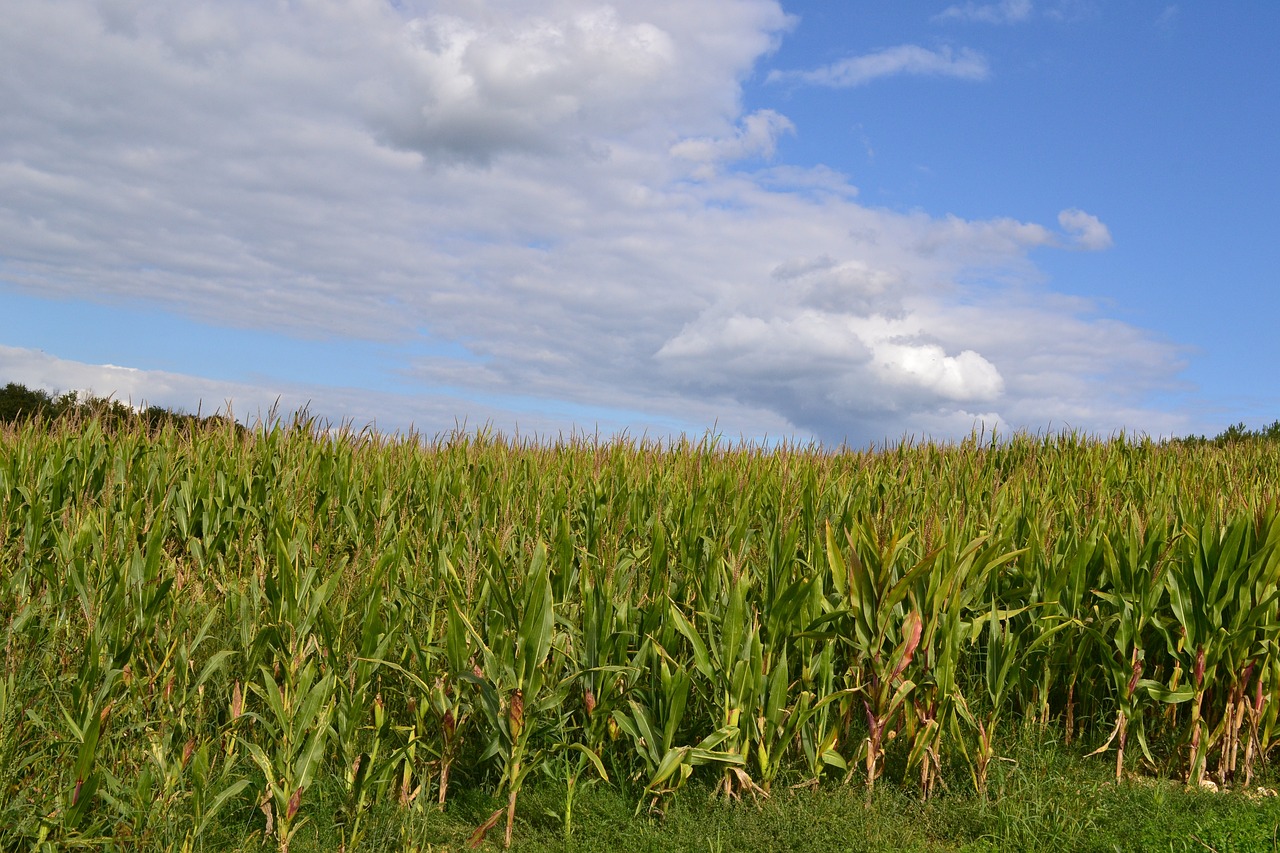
(437, 670)
(884, 632)
(817, 720)
(948, 599)
(17, 758)
(360, 724)
(518, 695)
(295, 724)
(296, 697)
(1133, 572)
(730, 658)
(654, 726)
(792, 599)
(1215, 619)
(604, 666)
(1061, 645)
(999, 679)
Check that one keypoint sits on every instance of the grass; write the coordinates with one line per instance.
(1042, 798)
(1048, 800)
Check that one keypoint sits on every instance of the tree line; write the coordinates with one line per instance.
(19, 404)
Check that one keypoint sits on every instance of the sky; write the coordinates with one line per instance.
(843, 222)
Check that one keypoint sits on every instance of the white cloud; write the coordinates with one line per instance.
(467, 90)
(965, 377)
(756, 136)
(1085, 230)
(543, 187)
(910, 59)
(1004, 12)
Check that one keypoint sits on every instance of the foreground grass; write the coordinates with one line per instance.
(1048, 800)
(1041, 797)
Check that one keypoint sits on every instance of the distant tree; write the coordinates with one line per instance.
(18, 402)
(1239, 432)
(1234, 434)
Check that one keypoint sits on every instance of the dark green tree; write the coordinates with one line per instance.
(18, 402)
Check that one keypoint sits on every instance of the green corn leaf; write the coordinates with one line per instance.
(667, 767)
(534, 638)
(1162, 693)
(217, 803)
(701, 655)
(217, 661)
(312, 713)
(837, 567)
(591, 756)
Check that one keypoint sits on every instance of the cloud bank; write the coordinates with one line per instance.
(550, 209)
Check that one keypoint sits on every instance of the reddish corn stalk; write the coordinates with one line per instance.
(1137, 672)
(295, 803)
(1122, 721)
(1070, 723)
(515, 714)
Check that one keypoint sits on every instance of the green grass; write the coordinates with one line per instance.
(1043, 798)
(1048, 801)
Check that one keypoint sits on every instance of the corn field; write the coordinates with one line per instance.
(203, 625)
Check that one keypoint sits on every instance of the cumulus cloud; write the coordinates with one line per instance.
(1005, 12)
(965, 377)
(910, 59)
(468, 90)
(531, 206)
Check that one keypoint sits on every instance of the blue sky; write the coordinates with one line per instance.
(843, 221)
